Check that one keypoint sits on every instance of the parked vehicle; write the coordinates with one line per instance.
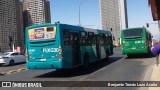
(10, 58)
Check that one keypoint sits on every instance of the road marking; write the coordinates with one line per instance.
(12, 71)
(2, 73)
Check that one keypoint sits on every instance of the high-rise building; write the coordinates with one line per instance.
(114, 16)
(11, 25)
(36, 12)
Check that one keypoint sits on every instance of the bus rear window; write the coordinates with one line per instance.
(132, 33)
(42, 33)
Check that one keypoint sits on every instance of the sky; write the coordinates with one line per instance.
(67, 11)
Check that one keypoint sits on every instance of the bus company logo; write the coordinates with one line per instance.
(6, 84)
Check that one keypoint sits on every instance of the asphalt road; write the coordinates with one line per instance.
(117, 68)
(15, 67)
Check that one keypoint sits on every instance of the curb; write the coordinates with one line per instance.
(155, 76)
(2, 73)
(12, 71)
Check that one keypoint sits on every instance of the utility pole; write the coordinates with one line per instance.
(80, 11)
(159, 25)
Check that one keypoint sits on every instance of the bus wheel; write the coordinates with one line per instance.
(107, 54)
(148, 54)
(86, 61)
(129, 55)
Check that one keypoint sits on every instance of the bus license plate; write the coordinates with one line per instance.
(43, 59)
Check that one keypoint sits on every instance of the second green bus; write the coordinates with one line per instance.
(136, 41)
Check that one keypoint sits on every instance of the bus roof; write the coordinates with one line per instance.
(39, 25)
(96, 31)
(67, 26)
(134, 28)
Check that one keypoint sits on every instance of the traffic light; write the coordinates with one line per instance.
(147, 24)
(10, 39)
(111, 29)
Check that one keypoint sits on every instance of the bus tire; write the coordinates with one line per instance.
(86, 60)
(107, 54)
(129, 55)
(148, 54)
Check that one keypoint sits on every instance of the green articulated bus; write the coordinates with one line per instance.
(62, 46)
(136, 41)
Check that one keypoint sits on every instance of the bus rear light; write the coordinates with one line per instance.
(59, 57)
(60, 51)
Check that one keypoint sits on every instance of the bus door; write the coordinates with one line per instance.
(98, 47)
(75, 46)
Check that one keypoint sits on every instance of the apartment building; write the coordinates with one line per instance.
(11, 25)
(114, 16)
(36, 12)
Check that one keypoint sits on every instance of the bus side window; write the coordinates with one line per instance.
(107, 41)
(91, 39)
(102, 39)
(83, 37)
(66, 37)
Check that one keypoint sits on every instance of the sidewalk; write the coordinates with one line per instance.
(155, 76)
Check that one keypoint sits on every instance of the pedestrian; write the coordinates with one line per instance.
(156, 51)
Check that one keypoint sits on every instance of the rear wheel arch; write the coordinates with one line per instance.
(86, 59)
(107, 53)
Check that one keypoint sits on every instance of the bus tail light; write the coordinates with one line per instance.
(60, 53)
(60, 50)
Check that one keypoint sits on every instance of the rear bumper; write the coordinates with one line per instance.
(44, 65)
(134, 51)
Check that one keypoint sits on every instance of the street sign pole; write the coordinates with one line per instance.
(13, 47)
(159, 25)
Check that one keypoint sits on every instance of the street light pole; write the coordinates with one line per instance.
(80, 11)
(159, 25)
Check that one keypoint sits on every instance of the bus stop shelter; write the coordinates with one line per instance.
(155, 7)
